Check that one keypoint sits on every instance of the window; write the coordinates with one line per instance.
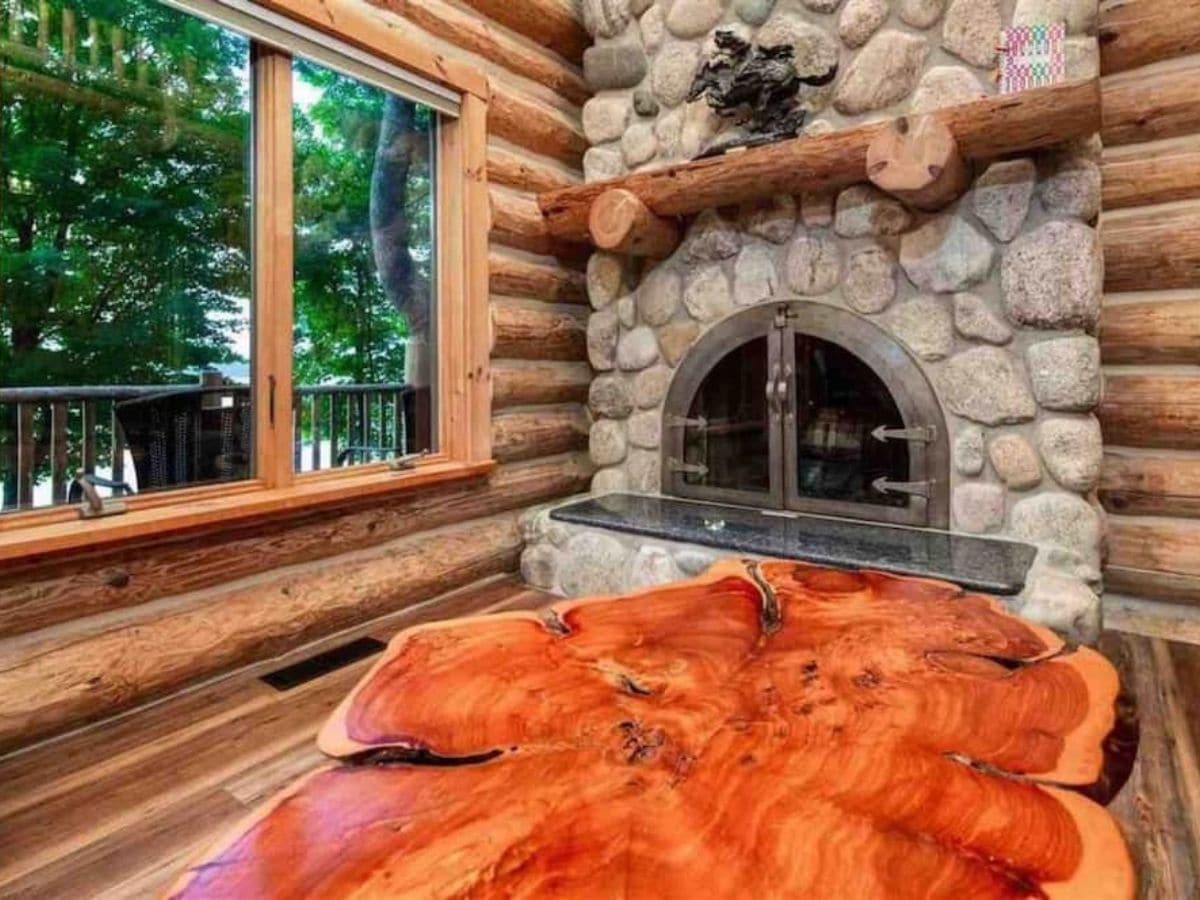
(233, 251)
(124, 250)
(364, 289)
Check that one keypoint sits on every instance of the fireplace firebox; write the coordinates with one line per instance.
(808, 407)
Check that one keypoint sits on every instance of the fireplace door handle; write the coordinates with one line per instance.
(774, 405)
(783, 387)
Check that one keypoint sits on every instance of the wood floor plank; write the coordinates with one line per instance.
(83, 800)
(1178, 730)
(257, 784)
(33, 776)
(117, 865)
(1186, 659)
(110, 798)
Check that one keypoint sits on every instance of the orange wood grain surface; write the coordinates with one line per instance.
(768, 730)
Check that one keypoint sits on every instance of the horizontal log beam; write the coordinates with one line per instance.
(167, 649)
(1152, 104)
(375, 28)
(526, 173)
(1152, 249)
(1145, 484)
(515, 277)
(527, 332)
(535, 126)
(1139, 32)
(530, 434)
(471, 33)
(553, 24)
(1145, 174)
(1161, 329)
(36, 598)
(518, 383)
(1154, 544)
(983, 129)
(1156, 411)
(517, 222)
(1165, 587)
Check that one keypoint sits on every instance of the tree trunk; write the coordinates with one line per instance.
(389, 217)
(769, 730)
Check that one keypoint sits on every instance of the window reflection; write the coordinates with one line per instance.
(365, 271)
(124, 249)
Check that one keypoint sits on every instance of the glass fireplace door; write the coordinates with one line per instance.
(731, 438)
(806, 407)
(727, 443)
(835, 405)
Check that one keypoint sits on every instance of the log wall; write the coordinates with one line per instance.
(1150, 328)
(87, 636)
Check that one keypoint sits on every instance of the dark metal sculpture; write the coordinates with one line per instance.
(758, 88)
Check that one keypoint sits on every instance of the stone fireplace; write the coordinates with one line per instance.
(841, 354)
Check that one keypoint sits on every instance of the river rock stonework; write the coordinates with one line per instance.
(996, 297)
(892, 57)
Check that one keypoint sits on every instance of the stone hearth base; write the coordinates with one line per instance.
(574, 560)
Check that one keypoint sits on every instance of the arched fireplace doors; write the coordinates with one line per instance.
(807, 407)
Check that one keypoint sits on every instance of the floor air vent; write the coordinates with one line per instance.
(323, 663)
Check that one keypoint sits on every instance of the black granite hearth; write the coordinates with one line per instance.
(983, 564)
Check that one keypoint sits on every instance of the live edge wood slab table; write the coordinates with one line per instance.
(771, 729)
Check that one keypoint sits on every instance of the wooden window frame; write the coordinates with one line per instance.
(463, 380)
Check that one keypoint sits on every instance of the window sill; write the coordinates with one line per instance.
(200, 514)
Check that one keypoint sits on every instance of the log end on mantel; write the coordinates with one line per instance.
(917, 161)
(719, 737)
(619, 222)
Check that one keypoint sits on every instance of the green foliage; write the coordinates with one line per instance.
(125, 215)
(124, 246)
(347, 328)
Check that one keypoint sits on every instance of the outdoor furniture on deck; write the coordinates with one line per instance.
(181, 437)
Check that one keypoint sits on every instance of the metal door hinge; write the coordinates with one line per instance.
(700, 423)
(685, 468)
(918, 488)
(920, 434)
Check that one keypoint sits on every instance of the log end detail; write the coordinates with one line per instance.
(917, 161)
(621, 223)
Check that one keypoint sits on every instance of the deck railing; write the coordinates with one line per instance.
(49, 433)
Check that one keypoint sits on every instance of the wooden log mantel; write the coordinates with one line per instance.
(984, 129)
(771, 729)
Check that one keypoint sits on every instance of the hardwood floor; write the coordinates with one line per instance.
(115, 811)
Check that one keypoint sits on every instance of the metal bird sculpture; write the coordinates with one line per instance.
(758, 88)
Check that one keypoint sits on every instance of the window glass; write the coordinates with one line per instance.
(365, 269)
(124, 249)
